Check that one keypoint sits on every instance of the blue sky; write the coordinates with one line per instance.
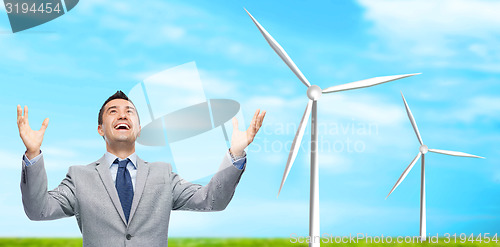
(66, 68)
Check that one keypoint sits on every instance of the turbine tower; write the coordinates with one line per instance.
(422, 151)
(314, 92)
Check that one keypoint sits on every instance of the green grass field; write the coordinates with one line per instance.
(212, 242)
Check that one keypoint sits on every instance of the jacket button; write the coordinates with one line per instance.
(128, 236)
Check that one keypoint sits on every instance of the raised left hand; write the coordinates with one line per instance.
(241, 139)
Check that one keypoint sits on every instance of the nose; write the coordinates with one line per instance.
(122, 115)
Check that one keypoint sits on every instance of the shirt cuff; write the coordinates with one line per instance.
(32, 161)
(239, 161)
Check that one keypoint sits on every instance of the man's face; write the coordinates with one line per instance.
(120, 122)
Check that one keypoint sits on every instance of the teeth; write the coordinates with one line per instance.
(122, 125)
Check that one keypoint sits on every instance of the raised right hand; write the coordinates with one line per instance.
(32, 139)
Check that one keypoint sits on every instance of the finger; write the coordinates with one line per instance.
(19, 117)
(235, 124)
(26, 114)
(44, 125)
(256, 126)
(258, 122)
(261, 118)
(19, 113)
(254, 119)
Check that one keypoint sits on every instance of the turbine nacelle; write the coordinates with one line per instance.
(424, 149)
(314, 92)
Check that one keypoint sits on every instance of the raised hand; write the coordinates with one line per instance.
(32, 139)
(241, 139)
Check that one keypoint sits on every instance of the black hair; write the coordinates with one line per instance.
(118, 95)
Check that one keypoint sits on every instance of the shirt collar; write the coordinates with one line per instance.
(110, 158)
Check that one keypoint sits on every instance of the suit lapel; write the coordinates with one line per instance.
(106, 179)
(140, 183)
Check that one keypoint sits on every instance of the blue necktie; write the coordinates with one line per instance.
(124, 186)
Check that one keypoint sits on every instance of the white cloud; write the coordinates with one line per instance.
(454, 33)
(219, 84)
(274, 158)
(283, 116)
(349, 125)
(365, 108)
(59, 156)
(474, 109)
(482, 106)
(414, 18)
(236, 50)
(60, 159)
(216, 83)
(213, 36)
(56, 158)
(79, 144)
(362, 108)
(337, 113)
(15, 53)
(335, 163)
(11, 160)
(173, 33)
(59, 152)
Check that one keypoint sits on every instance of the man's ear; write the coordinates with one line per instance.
(100, 130)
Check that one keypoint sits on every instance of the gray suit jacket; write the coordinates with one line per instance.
(88, 193)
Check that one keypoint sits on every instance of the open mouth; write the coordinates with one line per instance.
(122, 126)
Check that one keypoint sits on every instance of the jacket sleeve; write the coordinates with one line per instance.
(214, 196)
(40, 204)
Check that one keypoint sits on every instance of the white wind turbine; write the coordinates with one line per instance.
(314, 92)
(422, 151)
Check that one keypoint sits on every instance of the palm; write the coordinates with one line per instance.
(241, 139)
(32, 139)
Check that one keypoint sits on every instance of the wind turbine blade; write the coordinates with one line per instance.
(280, 51)
(366, 83)
(412, 120)
(296, 142)
(403, 176)
(454, 153)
